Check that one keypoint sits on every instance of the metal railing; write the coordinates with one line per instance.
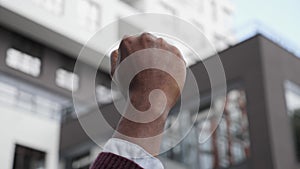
(26, 102)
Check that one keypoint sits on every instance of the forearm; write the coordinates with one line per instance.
(146, 135)
(152, 94)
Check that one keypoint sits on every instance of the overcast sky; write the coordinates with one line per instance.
(281, 16)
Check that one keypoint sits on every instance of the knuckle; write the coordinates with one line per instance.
(160, 40)
(175, 50)
(127, 40)
(162, 43)
(147, 37)
(125, 43)
(144, 34)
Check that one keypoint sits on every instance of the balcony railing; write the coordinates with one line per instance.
(24, 101)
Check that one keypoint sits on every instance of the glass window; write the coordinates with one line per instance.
(53, 6)
(23, 62)
(292, 96)
(28, 158)
(105, 95)
(227, 146)
(89, 14)
(67, 80)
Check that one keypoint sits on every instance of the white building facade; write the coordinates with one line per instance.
(79, 20)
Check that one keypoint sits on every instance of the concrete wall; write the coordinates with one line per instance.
(279, 66)
(20, 127)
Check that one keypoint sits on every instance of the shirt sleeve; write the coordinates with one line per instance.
(113, 161)
(132, 152)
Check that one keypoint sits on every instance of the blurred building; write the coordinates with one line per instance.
(40, 39)
(74, 22)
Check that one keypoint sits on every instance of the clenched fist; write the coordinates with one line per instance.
(144, 50)
(150, 79)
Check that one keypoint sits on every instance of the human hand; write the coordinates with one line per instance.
(148, 80)
(145, 82)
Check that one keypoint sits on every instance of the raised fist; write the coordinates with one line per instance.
(150, 79)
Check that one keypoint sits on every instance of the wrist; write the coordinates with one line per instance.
(144, 100)
(148, 136)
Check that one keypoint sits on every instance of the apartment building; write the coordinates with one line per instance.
(259, 128)
(39, 41)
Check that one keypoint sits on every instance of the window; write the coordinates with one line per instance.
(53, 6)
(67, 80)
(292, 96)
(89, 14)
(103, 94)
(23, 62)
(28, 158)
(227, 146)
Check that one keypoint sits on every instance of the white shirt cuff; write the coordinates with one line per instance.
(132, 152)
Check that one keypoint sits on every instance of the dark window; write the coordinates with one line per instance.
(292, 96)
(28, 158)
